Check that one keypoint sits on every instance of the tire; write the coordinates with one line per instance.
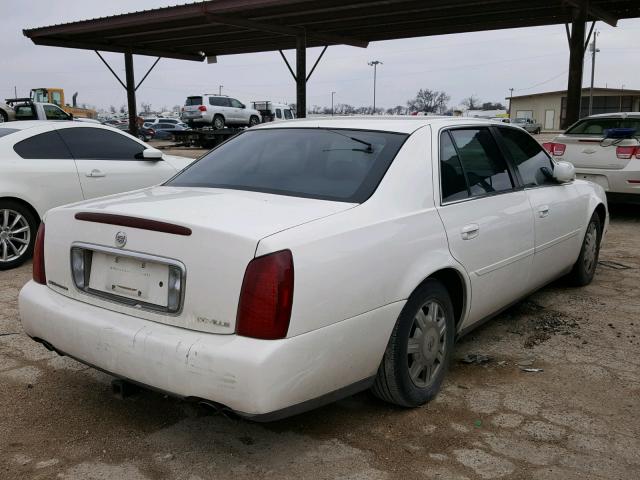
(400, 382)
(218, 122)
(4, 117)
(537, 132)
(253, 121)
(18, 228)
(585, 267)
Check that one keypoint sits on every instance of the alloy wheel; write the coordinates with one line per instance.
(427, 344)
(15, 235)
(590, 247)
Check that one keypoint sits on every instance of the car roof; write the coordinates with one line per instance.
(395, 123)
(615, 115)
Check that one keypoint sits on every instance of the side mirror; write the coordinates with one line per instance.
(243, 106)
(564, 172)
(151, 154)
(70, 116)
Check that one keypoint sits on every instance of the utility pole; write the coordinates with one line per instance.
(510, 101)
(332, 94)
(374, 64)
(594, 50)
(15, 92)
(621, 93)
(220, 89)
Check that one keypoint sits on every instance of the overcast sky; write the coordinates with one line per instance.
(485, 64)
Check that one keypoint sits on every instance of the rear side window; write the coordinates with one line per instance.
(528, 156)
(25, 112)
(597, 126)
(193, 101)
(485, 169)
(100, 144)
(47, 145)
(331, 164)
(454, 184)
(219, 101)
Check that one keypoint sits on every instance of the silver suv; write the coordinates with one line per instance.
(218, 111)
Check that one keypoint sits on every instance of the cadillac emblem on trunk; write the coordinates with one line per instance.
(121, 239)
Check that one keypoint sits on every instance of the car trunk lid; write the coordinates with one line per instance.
(588, 151)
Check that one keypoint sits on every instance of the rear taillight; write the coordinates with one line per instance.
(202, 108)
(266, 297)
(555, 149)
(625, 153)
(39, 274)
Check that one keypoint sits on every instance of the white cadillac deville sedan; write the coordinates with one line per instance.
(302, 262)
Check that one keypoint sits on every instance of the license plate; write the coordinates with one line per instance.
(130, 278)
(599, 179)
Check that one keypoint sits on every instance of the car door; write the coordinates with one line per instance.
(240, 114)
(111, 162)
(556, 207)
(45, 173)
(487, 218)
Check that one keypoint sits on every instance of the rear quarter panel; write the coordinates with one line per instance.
(372, 255)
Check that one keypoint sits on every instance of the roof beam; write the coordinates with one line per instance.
(285, 30)
(595, 11)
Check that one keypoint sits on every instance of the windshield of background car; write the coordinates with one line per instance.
(597, 126)
(193, 101)
(302, 162)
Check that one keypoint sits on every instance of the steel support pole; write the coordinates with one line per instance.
(131, 92)
(301, 76)
(594, 50)
(576, 59)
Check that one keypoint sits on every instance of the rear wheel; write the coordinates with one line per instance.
(17, 234)
(419, 350)
(585, 267)
(3, 117)
(218, 122)
(253, 121)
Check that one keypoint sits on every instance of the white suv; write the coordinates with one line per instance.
(218, 111)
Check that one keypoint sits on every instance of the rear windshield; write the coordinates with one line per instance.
(7, 131)
(193, 101)
(337, 164)
(597, 126)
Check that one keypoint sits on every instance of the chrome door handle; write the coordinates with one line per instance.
(543, 211)
(470, 231)
(95, 173)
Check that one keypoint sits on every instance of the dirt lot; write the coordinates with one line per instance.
(576, 419)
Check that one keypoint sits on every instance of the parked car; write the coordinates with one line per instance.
(25, 109)
(157, 120)
(528, 124)
(164, 131)
(47, 164)
(218, 111)
(350, 254)
(7, 113)
(145, 133)
(273, 112)
(604, 149)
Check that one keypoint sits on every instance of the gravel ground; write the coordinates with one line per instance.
(576, 419)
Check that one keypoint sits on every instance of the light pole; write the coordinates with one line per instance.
(332, 94)
(621, 93)
(220, 89)
(594, 50)
(374, 64)
(510, 101)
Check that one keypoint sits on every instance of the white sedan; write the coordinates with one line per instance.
(605, 149)
(45, 164)
(301, 262)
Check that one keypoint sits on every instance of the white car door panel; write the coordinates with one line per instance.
(107, 163)
(489, 225)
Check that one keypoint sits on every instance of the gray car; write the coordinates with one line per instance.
(7, 114)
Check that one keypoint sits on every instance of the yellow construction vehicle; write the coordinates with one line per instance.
(56, 96)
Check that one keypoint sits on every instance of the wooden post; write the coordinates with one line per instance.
(576, 59)
(301, 75)
(131, 93)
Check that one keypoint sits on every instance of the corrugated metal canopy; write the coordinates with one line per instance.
(225, 27)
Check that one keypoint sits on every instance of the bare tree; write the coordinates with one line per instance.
(112, 109)
(472, 102)
(493, 106)
(429, 101)
(145, 107)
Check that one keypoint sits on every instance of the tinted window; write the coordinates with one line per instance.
(597, 126)
(25, 112)
(235, 103)
(193, 101)
(99, 144)
(454, 185)
(164, 126)
(278, 113)
(47, 145)
(485, 169)
(288, 115)
(54, 113)
(219, 101)
(7, 131)
(528, 156)
(302, 162)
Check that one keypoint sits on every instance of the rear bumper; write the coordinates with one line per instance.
(261, 379)
(614, 181)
